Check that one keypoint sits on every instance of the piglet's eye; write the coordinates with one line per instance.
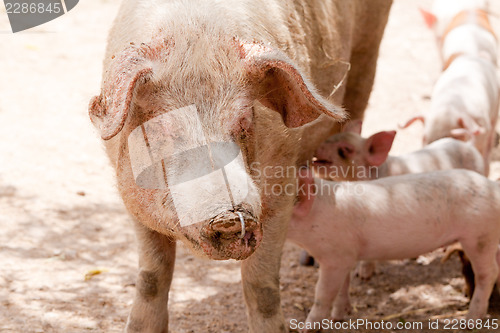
(344, 152)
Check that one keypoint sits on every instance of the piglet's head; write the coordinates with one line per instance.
(178, 121)
(348, 156)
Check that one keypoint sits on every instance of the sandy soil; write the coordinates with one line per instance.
(62, 220)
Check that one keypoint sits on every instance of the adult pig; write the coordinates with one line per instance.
(220, 91)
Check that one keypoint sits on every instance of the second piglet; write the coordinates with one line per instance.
(464, 105)
(397, 217)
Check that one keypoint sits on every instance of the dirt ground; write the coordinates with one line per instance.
(62, 220)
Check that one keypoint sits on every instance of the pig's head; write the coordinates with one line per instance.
(348, 156)
(178, 117)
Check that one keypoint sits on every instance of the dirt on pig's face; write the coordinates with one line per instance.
(191, 124)
(185, 167)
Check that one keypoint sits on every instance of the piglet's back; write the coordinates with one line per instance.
(442, 195)
(444, 154)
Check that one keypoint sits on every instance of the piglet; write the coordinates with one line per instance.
(462, 27)
(397, 217)
(348, 156)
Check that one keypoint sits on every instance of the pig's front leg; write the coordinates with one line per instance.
(331, 278)
(485, 266)
(260, 278)
(156, 266)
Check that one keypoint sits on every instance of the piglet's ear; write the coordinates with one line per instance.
(279, 85)
(378, 147)
(430, 19)
(108, 111)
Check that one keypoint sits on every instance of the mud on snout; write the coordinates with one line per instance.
(232, 234)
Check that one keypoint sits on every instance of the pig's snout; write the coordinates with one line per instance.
(229, 229)
(231, 235)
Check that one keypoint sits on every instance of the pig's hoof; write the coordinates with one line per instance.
(306, 259)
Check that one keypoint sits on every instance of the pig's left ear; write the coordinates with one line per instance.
(280, 86)
(378, 146)
(108, 111)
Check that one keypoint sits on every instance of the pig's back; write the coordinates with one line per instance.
(470, 83)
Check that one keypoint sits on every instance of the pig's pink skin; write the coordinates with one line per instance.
(376, 220)
(222, 57)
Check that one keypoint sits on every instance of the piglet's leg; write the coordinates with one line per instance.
(331, 279)
(482, 255)
(342, 305)
(156, 266)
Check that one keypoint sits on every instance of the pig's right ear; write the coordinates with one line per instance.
(279, 85)
(108, 111)
(378, 146)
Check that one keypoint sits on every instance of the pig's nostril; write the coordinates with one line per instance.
(231, 225)
(227, 227)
